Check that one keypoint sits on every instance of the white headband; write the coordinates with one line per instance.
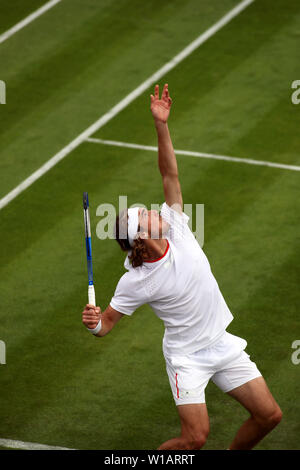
(133, 223)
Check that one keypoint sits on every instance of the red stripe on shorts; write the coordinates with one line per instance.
(177, 386)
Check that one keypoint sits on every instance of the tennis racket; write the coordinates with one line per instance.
(88, 244)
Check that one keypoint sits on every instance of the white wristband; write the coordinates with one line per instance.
(97, 329)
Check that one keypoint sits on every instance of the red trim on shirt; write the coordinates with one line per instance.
(154, 260)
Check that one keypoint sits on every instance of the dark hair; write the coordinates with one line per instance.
(139, 251)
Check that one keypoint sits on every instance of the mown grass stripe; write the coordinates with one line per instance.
(124, 103)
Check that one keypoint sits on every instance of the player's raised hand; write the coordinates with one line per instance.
(160, 108)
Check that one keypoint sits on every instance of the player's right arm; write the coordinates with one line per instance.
(91, 316)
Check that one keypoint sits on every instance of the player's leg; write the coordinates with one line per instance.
(265, 413)
(241, 379)
(194, 428)
(188, 382)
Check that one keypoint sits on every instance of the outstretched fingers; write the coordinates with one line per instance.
(165, 93)
(165, 96)
(165, 100)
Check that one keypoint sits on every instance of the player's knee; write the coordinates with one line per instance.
(197, 440)
(276, 417)
(271, 419)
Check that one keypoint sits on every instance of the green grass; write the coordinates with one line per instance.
(97, 56)
(10, 16)
(60, 385)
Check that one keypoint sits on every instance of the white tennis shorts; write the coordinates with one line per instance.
(224, 362)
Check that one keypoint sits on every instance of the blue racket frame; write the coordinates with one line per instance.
(88, 240)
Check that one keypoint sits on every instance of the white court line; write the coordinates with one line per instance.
(10, 32)
(249, 161)
(123, 103)
(9, 443)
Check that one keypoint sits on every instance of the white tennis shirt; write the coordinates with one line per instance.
(180, 288)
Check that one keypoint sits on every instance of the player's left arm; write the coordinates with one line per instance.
(167, 162)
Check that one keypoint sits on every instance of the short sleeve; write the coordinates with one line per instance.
(129, 295)
(178, 222)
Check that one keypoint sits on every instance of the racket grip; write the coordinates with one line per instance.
(92, 296)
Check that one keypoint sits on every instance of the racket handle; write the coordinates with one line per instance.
(92, 296)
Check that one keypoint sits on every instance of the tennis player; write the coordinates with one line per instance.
(167, 269)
